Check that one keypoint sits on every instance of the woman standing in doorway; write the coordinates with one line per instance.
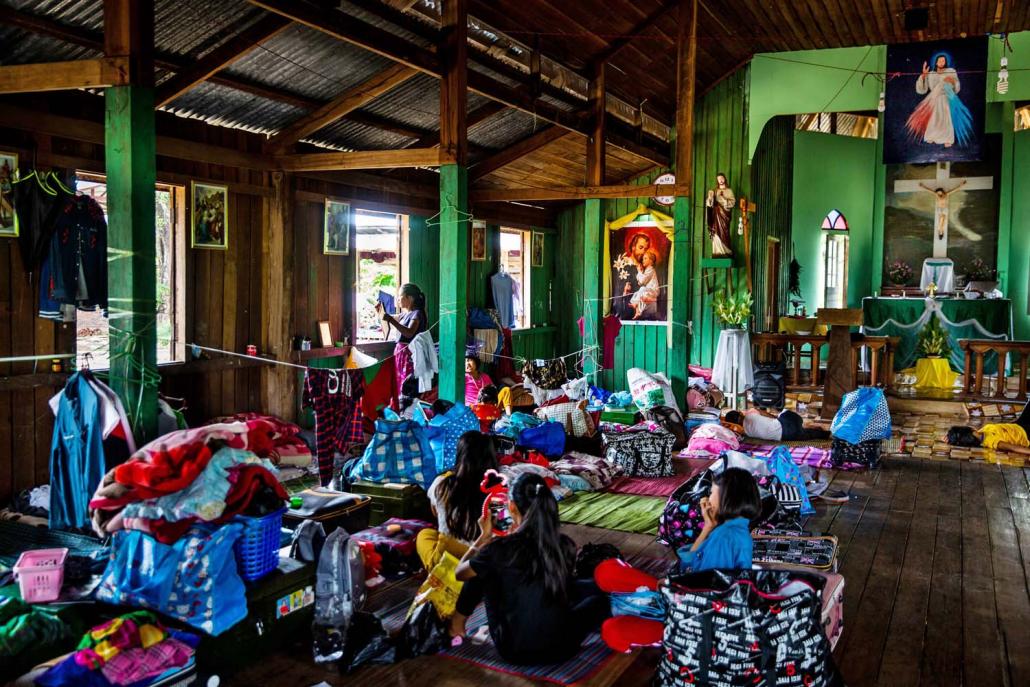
(410, 322)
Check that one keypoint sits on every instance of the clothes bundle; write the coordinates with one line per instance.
(24, 625)
(335, 396)
(711, 440)
(91, 434)
(394, 541)
(596, 472)
(171, 483)
(547, 375)
(288, 448)
(131, 649)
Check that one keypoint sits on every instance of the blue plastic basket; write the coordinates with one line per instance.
(257, 549)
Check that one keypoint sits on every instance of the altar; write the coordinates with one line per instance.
(961, 319)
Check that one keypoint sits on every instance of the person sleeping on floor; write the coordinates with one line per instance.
(1008, 436)
(786, 426)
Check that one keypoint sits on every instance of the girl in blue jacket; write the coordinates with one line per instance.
(725, 540)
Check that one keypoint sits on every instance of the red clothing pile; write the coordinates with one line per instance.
(287, 447)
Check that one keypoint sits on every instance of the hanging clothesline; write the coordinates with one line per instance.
(36, 358)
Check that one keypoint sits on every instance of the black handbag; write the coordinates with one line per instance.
(670, 420)
(746, 627)
(640, 453)
(863, 453)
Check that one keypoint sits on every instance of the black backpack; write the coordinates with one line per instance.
(671, 420)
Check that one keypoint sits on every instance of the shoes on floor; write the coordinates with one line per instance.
(835, 496)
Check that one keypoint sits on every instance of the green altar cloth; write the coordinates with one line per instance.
(961, 318)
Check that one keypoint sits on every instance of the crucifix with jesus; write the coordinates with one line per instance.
(942, 187)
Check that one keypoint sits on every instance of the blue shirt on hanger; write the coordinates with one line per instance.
(503, 288)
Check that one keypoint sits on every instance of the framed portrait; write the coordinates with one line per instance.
(537, 250)
(936, 105)
(325, 333)
(336, 228)
(209, 216)
(8, 172)
(640, 256)
(478, 242)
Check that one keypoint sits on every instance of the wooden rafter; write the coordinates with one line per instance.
(596, 141)
(616, 46)
(574, 193)
(454, 83)
(62, 76)
(221, 57)
(361, 159)
(516, 151)
(341, 105)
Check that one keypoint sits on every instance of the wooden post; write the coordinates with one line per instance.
(277, 382)
(999, 391)
(130, 154)
(454, 217)
(593, 231)
(596, 140)
(679, 299)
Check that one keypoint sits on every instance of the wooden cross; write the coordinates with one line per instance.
(948, 185)
(746, 208)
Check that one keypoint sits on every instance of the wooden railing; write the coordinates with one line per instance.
(791, 348)
(977, 349)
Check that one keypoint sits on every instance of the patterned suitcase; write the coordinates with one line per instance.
(818, 553)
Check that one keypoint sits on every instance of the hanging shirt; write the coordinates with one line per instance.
(37, 211)
(503, 288)
(610, 327)
(423, 358)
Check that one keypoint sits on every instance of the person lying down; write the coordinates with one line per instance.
(1001, 436)
(787, 426)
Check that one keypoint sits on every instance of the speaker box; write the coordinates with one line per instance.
(770, 389)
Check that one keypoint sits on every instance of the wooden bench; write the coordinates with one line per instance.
(976, 350)
(791, 348)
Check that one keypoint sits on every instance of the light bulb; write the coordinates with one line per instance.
(1003, 77)
(882, 105)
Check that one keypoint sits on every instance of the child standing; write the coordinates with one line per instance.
(647, 277)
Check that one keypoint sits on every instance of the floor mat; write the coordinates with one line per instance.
(593, 655)
(659, 486)
(623, 512)
(815, 456)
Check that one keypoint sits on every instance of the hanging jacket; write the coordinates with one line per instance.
(78, 255)
(37, 210)
(76, 454)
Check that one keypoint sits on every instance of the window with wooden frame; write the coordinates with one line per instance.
(92, 329)
(516, 247)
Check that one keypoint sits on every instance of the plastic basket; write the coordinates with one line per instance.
(257, 549)
(40, 574)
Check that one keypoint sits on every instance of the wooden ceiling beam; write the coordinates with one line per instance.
(221, 57)
(364, 35)
(616, 46)
(360, 159)
(62, 76)
(596, 141)
(514, 152)
(575, 193)
(346, 102)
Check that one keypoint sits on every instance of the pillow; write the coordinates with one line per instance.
(573, 416)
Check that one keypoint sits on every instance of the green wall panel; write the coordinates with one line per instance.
(1018, 249)
(833, 172)
(424, 261)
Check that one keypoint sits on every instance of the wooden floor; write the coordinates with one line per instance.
(936, 559)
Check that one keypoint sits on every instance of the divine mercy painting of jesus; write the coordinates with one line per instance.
(935, 101)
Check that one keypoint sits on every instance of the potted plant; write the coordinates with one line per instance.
(981, 277)
(899, 272)
(932, 341)
(733, 310)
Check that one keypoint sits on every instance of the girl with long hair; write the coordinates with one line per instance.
(537, 612)
(410, 322)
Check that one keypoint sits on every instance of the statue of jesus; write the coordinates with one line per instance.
(941, 211)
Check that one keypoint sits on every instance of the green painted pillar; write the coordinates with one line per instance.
(679, 299)
(593, 230)
(1005, 181)
(454, 249)
(879, 208)
(130, 147)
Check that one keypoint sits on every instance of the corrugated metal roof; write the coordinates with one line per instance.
(504, 128)
(353, 136)
(224, 106)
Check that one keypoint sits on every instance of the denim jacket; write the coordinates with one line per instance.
(80, 239)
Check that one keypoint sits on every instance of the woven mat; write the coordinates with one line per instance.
(622, 512)
(659, 486)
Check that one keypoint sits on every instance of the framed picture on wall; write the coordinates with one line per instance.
(209, 216)
(537, 250)
(8, 171)
(478, 242)
(336, 229)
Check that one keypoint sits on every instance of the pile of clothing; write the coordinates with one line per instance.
(208, 474)
(132, 649)
(288, 448)
(23, 626)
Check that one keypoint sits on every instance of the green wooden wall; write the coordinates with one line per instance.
(1018, 249)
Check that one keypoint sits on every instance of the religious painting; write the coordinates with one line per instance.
(943, 210)
(336, 228)
(537, 250)
(478, 242)
(936, 100)
(8, 171)
(640, 255)
(209, 220)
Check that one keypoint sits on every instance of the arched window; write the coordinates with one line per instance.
(835, 221)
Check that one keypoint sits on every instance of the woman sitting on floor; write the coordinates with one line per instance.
(724, 543)
(456, 500)
(475, 380)
(536, 611)
(787, 426)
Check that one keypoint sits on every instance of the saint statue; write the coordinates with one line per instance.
(718, 208)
